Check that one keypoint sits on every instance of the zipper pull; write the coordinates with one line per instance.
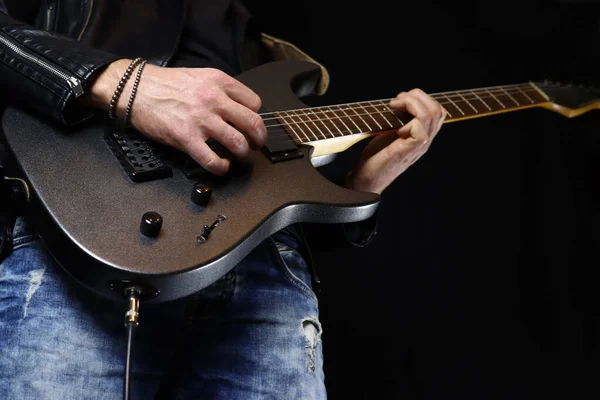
(75, 85)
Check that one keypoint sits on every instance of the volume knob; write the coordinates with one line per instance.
(151, 224)
(201, 194)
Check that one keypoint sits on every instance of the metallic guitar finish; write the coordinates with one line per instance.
(88, 212)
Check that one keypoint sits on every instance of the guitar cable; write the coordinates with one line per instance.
(133, 294)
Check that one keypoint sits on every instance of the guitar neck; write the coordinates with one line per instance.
(468, 104)
(335, 128)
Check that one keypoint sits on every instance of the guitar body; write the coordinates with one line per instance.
(88, 212)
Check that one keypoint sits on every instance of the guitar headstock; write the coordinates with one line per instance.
(569, 99)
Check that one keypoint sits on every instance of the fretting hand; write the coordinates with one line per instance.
(389, 155)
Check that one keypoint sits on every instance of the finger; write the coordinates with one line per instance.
(242, 94)
(231, 138)
(414, 106)
(249, 122)
(376, 144)
(206, 157)
(379, 171)
(441, 121)
(435, 109)
(414, 131)
(412, 137)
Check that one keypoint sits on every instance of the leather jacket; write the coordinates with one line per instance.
(51, 49)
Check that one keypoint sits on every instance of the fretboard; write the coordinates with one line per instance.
(370, 117)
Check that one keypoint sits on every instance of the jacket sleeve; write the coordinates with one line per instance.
(45, 71)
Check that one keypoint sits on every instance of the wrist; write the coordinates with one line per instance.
(102, 87)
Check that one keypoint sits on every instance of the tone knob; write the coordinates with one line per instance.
(151, 224)
(201, 194)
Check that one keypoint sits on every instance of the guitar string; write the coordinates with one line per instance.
(501, 92)
(484, 91)
(488, 94)
(336, 119)
(340, 107)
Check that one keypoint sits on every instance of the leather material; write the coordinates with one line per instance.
(80, 37)
(85, 36)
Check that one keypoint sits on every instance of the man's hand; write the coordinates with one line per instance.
(183, 107)
(389, 155)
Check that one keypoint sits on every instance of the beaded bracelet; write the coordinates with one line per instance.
(133, 92)
(121, 86)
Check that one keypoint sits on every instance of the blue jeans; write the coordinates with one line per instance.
(253, 334)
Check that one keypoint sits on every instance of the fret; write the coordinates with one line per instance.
(481, 100)
(521, 98)
(508, 94)
(341, 119)
(294, 114)
(454, 104)
(384, 117)
(351, 120)
(330, 135)
(369, 129)
(327, 123)
(445, 110)
(390, 111)
(306, 118)
(370, 115)
(334, 124)
(376, 112)
(302, 129)
(525, 94)
(495, 98)
(294, 123)
(468, 103)
(288, 127)
(538, 91)
(319, 123)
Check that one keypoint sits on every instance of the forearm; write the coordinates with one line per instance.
(45, 71)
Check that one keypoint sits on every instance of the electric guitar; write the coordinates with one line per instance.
(113, 207)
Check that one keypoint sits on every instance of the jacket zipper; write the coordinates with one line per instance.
(73, 82)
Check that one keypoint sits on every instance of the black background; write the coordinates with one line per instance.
(482, 282)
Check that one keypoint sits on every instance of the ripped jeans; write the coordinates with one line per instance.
(253, 334)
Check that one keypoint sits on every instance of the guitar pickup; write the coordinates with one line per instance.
(137, 156)
(280, 146)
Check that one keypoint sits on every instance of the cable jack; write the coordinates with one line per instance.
(133, 294)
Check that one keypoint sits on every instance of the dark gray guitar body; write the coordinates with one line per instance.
(88, 212)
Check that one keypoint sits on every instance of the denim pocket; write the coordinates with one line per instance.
(294, 267)
(23, 233)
